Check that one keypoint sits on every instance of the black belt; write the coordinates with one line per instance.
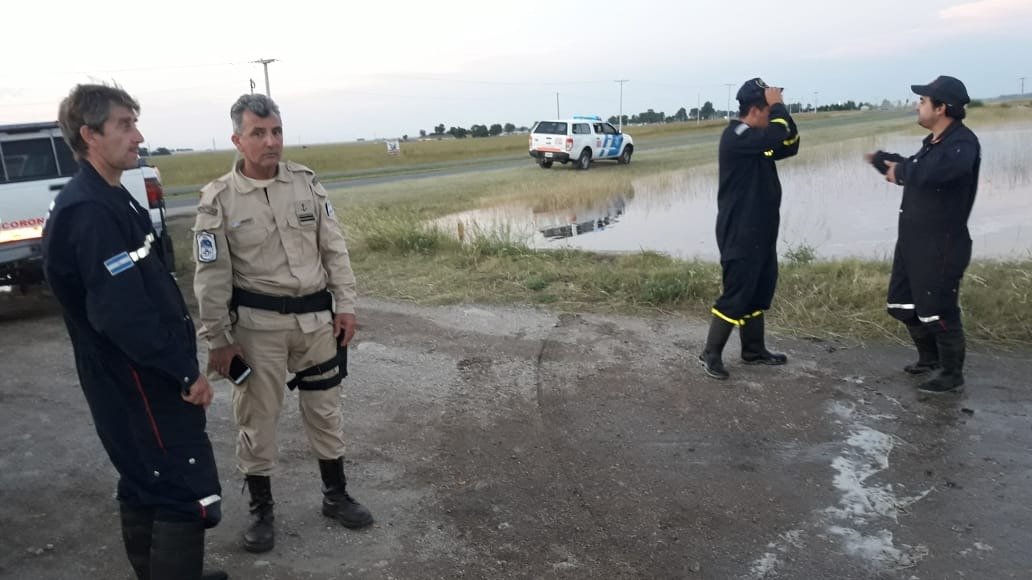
(317, 302)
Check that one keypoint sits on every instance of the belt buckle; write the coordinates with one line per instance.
(284, 303)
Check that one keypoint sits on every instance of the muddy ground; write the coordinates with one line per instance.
(497, 442)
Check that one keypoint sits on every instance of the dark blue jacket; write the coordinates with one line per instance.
(749, 194)
(939, 183)
(134, 342)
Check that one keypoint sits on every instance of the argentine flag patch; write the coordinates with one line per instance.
(118, 263)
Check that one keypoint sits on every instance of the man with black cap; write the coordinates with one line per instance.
(749, 202)
(933, 246)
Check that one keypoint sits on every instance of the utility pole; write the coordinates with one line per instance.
(729, 85)
(252, 86)
(620, 118)
(265, 63)
(698, 109)
(1022, 79)
(557, 115)
(815, 102)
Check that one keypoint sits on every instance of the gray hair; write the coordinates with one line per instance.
(90, 106)
(258, 104)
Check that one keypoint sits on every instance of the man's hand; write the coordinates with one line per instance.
(773, 95)
(219, 358)
(890, 175)
(344, 327)
(869, 157)
(200, 393)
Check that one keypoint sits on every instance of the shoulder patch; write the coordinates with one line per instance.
(207, 252)
(208, 209)
(741, 128)
(119, 263)
(329, 210)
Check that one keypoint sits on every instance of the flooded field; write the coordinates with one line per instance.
(833, 203)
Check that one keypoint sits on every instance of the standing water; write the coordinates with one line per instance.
(832, 203)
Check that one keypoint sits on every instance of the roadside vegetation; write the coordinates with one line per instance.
(402, 249)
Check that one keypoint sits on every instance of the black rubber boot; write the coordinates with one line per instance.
(136, 535)
(137, 530)
(719, 332)
(260, 536)
(337, 503)
(950, 379)
(177, 552)
(754, 349)
(927, 350)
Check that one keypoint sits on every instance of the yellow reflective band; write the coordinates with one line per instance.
(780, 121)
(790, 142)
(769, 153)
(754, 314)
(727, 319)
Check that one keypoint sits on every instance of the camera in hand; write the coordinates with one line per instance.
(238, 370)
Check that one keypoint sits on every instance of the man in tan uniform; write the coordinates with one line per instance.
(275, 287)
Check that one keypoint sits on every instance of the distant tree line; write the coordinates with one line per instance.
(707, 112)
(474, 131)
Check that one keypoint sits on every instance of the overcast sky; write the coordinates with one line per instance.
(386, 68)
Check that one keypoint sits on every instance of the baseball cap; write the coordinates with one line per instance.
(752, 91)
(947, 89)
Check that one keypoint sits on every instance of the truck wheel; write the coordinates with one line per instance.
(584, 161)
(545, 163)
(625, 157)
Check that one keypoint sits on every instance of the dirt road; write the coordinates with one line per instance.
(519, 443)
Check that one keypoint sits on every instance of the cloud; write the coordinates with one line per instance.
(987, 15)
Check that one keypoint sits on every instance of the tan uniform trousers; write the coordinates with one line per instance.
(258, 400)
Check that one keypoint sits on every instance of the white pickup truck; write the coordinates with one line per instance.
(35, 163)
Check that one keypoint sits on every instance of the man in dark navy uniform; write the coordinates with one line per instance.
(134, 343)
(749, 204)
(933, 246)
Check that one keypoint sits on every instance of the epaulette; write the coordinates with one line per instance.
(210, 191)
(297, 167)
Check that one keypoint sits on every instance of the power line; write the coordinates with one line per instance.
(486, 82)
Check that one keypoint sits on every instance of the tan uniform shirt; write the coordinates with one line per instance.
(278, 237)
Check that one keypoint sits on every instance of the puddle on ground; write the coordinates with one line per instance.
(832, 202)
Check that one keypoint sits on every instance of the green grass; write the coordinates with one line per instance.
(399, 250)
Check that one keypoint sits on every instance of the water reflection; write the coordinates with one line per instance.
(565, 224)
(833, 202)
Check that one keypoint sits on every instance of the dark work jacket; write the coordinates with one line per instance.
(939, 183)
(749, 196)
(134, 341)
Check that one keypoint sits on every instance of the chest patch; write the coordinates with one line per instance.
(207, 252)
(305, 210)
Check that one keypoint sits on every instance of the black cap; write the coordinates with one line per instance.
(752, 91)
(947, 89)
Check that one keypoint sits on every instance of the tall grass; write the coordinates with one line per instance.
(399, 250)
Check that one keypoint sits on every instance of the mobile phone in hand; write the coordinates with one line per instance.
(238, 370)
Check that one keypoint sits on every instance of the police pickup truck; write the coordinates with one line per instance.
(579, 139)
(35, 163)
